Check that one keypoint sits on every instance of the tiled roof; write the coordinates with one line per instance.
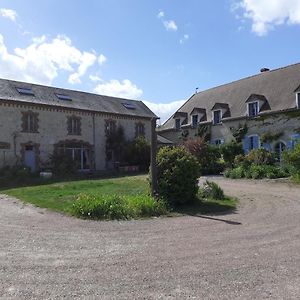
(277, 86)
(45, 95)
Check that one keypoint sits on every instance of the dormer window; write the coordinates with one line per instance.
(217, 116)
(194, 120)
(177, 124)
(298, 100)
(253, 109)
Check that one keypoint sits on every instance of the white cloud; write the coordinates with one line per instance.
(8, 13)
(266, 14)
(170, 25)
(124, 89)
(41, 61)
(95, 78)
(164, 110)
(161, 14)
(184, 39)
(102, 59)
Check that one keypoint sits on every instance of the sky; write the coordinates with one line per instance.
(155, 51)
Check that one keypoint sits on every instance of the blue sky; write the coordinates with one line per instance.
(158, 51)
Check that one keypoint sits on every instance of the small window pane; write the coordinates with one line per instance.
(25, 91)
(217, 117)
(63, 97)
(195, 120)
(177, 124)
(253, 109)
(128, 105)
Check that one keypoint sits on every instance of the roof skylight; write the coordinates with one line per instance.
(25, 91)
(129, 105)
(63, 97)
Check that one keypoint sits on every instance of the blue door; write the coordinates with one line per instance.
(29, 158)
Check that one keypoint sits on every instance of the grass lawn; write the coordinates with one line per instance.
(61, 196)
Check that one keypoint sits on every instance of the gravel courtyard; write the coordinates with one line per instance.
(253, 253)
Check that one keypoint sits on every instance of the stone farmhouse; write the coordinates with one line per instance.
(36, 120)
(260, 111)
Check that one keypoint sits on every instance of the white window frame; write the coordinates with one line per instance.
(278, 142)
(258, 108)
(192, 123)
(213, 116)
(179, 123)
(259, 144)
(298, 99)
(218, 140)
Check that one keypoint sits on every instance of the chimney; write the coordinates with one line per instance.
(264, 70)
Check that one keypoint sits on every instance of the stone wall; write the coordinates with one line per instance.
(286, 123)
(52, 128)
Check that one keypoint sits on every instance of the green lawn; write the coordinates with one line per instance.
(61, 196)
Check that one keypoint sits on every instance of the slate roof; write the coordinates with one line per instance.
(46, 95)
(278, 86)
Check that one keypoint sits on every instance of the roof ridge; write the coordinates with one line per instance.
(245, 78)
(66, 89)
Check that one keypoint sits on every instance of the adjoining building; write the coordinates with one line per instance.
(260, 111)
(37, 120)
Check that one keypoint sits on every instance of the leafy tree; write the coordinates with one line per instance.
(177, 174)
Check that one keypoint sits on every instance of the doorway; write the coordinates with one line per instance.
(30, 157)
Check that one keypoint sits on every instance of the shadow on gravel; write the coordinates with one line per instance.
(220, 220)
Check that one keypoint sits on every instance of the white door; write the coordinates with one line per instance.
(29, 159)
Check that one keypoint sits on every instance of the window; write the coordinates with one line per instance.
(177, 124)
(110, 126)
(298, 100)
(219, 142)
(25, 91)
(252, 142)
(30, 121)
(217, 116)
(279, 148)
(129, 105)
(63, 97)
(253, 109)
(81, 154)
(139, 129)
(194, 120)
(74, 125)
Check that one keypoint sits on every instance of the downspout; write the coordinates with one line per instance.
(94, 140)
(153, 166)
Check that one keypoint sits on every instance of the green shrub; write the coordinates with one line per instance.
(257, 172)
(211, 190)
(177, 174)
(63, 164)
(261, 157)
(117, 207)
(208, 156)
(230, 151)
(292, 158)
(137, 152)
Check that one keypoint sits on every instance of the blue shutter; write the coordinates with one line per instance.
(246, 145)
(290, 145)
(267, 146)
(255, 142)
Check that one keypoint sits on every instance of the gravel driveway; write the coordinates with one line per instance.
(251, 254)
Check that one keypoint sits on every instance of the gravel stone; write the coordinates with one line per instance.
(252, 253)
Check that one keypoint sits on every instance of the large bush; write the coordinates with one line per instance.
(230, 151)
(261, 157)
(137, 152)
(207, 155)
(63, 164)
(292, 157)
(177, 174)
(111, 207)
